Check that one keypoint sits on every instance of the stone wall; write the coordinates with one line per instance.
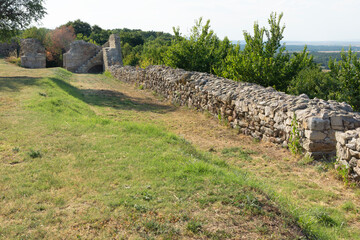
(348, 152)
(7, 49)
(257, 111)
(112, 53)
(32, 53)
(80, 52)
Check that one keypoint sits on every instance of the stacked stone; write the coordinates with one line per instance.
(7, 49)
(348, 152)
(32, 53)
(257, 111)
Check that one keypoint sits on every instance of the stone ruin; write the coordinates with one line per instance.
(32, 53)
(84, 57)
(9, 48)
(326, 128)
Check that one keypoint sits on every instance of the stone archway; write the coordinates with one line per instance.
(96, 69)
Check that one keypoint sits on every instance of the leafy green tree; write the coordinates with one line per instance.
(154, 51)
(37, 33)
(80, 27)
(132, 38)
(99, 35)
(347, 71)
(264, 62)
(201, 51)
(17, 15)
(314, 83)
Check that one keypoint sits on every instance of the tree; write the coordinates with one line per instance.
(99, 35)
(264, 62)
(17, 15)
(37, 33)
(201, 51)
(80, 27)
(347, 71)
(314, 83)
(57, 43)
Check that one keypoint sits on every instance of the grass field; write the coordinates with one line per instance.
(86, 156)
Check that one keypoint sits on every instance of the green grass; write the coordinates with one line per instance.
(67, 170)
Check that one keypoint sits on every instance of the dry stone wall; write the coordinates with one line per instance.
(348, 152)
(257, 111)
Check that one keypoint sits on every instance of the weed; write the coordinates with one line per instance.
(194, 226)
(159, 228)
(324, 218)
(141, 208)
(237, 152)
(349, 206)
(108, 74)
(294, 139)
(34, 153)
(343, 173)
(16, 149)
(219, 117)
(14, 60)
(306, 160)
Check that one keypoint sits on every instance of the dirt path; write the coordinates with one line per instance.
(314, 185)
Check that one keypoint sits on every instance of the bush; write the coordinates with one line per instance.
(14, 60)
(314, 83)
(264, 62)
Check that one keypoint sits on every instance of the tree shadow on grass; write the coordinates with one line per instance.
(15, 84)
(110, 98)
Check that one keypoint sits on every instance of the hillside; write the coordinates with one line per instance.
(86, 156)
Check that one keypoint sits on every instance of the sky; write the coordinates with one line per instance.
(305, 20)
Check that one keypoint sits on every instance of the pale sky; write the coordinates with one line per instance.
(305, 20)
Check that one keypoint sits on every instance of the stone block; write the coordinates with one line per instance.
(311, 146)
(318, 124)
(340, 137)
(337, 123)
(315, 135)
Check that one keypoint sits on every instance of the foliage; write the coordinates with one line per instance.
(57, 43)
(154, 51)
(99, 35)
(80, 27)
(343, 173)
(37, 33)
(347, 72)
(14, 60)
(202, 51)
(294, 138)
(264, 62)
(314, 83)
(18, 14)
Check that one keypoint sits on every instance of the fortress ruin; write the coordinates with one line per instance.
(326, 129)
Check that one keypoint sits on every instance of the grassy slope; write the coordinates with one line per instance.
(68, 170)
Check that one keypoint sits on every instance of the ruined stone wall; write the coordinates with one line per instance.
(257, 111)
(112, 53)
(348, 152)
(80, 52)
(32, 53)
(7, 49)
